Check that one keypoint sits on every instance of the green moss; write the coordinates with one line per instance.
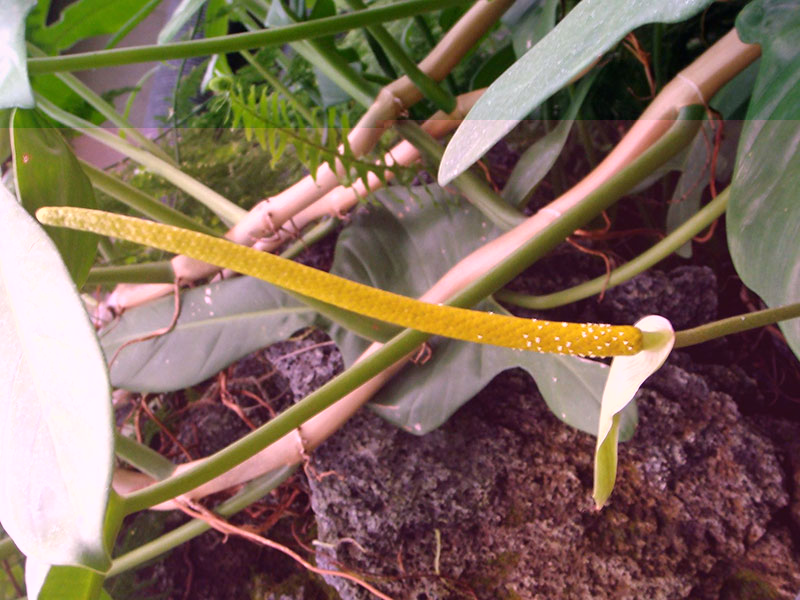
(497, 571)
(748, 585)
(299, 585)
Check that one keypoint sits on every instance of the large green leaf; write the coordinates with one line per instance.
(46, 582)
(764, 212)
(48, 174)
(83, 19)
(590, 29)
(15, 90)
(56, 430)
(406, 247)
(218, 324)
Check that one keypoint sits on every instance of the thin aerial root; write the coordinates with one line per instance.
(198, 511)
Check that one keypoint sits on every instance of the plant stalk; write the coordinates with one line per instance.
(702, 219)
(406, 342)
(152, 272)
(241, 41)
(431, 89)
(737, 324)
(473, 187)
(221, 206)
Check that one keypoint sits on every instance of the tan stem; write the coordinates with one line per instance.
(336, 202)
(269, 215)
(707, 74)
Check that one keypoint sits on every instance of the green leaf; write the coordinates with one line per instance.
(46, 582)
(83, 19)
(56, 440)
(218, 324)
(180, 16)
(590, 29)
(493, 67)
(696, 162)
(15, 89)
(763, 219)
(48, 174)
(529, 21)
(406, 247)
(537, 160)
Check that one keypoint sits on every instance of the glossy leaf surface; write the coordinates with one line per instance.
(48, 174)
(56, 441)
(406, 247)
(218, 324)
(15, 90)
(763, 219)
(46, 582)
(589, 30)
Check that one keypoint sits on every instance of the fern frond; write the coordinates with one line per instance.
(268, 119)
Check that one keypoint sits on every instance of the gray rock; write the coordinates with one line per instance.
(687, 296)
(695, 513)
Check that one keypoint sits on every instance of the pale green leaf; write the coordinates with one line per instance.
(589, 30)
(15, 89)
(219, 323)
(56, 440)
(763, 220)
(625, 377)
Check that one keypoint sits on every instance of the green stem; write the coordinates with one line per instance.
(443, 99)
(105, 248)
(737, 324)
(680, 134)
(131, 23)
(657, 253)
(105, 109)
(676, 138)
(224, 208)
(242, 41)
(141, 202)
(469, 183)
(277, 84)
(656, 61)
(135, 91)
(143, 458)
(332, 64)
(586, 140)
(154, 272)
(380, 56)
(422, 26)
(312, 236)
(251, 493)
